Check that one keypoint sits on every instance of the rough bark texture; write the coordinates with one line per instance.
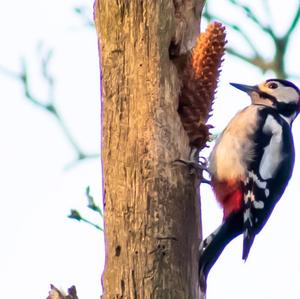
(152, 210)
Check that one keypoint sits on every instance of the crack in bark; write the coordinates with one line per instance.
(134, 285)
(122, 288)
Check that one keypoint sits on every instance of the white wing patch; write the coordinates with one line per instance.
(272, 156)
(258, 204)
(260, 184)
(247, 217)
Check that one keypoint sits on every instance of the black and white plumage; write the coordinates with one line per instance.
(250, 166)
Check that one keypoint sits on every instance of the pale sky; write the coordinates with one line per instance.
(40, 245)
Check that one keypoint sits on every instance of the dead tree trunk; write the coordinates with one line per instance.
(152, 209)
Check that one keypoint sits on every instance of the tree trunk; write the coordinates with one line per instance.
(152, 207)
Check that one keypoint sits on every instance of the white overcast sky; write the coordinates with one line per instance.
(39, 244)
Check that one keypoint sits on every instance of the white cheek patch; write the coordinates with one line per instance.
(283, 94)
(272, 156)
(287, 95)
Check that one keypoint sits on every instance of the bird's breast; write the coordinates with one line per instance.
(234, 149)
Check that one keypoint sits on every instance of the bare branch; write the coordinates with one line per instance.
(82, 157)
(91, 203)
(234, 27)
(251, 15)
(268, 11)
(256, 60)
(74, 214)
(27, 91)
(45, 62)
(293, 24)
(277, 64)
(49, 105)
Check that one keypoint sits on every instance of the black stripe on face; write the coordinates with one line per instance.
(287, 109)
(265, 95)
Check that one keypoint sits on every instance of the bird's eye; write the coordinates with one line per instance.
(272, 85)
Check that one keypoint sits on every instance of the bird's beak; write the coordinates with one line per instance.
(246, 88)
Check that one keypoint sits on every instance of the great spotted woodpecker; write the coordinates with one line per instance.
(250, 166)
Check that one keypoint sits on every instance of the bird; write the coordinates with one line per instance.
(250, 166)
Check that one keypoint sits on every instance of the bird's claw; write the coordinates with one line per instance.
(196, 168)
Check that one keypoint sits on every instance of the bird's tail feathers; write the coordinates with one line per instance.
(247, 243)
(248, 226)
(212, 247)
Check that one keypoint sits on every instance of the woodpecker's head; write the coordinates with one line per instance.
(279, 94)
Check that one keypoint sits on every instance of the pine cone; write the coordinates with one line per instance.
(199, 83)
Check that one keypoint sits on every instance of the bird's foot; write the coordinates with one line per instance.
(196, 168)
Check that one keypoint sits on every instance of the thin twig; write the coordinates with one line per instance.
(91, 202)
(268, 11)
(82, 12)
(236, 28)
(80, 158)
(256, 61)
(293, 24)
(45, 62)
(74, 214)
(277, 64)
(251, 15)
(49, 105)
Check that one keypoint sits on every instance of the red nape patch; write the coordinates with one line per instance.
(229, 195)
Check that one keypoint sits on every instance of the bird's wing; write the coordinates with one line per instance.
(255, 195)
(259, 197)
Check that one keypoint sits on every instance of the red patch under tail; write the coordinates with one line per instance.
(229, 195)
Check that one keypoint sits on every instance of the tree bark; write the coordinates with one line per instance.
(152, 207)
